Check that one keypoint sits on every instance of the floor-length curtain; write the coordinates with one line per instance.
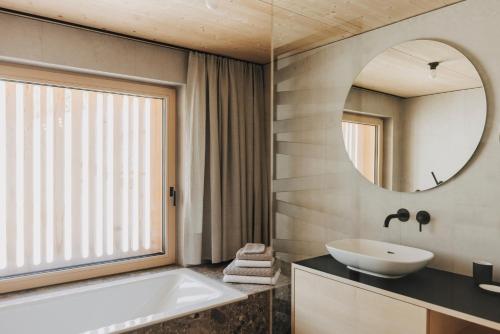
(225, 187)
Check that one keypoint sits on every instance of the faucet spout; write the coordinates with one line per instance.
(389, 218)
(402, 214)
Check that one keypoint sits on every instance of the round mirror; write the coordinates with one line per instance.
(414, 116)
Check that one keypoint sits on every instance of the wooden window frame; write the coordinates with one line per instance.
(378, 123)
(40, 75)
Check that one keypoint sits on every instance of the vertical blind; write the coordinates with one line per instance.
(80, 177)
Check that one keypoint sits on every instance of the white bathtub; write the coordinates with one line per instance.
(117, 306)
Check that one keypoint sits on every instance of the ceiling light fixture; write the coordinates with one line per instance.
(211, 4)
(433, 69)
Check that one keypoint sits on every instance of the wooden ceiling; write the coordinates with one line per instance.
(404, 71)
(237, 28)
(300, 25)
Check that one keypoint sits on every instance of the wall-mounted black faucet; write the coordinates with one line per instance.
(423, 218)
(402, 214)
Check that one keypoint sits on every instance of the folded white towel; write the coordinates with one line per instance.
(254, 264)
(252, 279)
(251, 248)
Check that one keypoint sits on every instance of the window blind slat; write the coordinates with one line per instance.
(146, 186)
(68, 179)
(125, 175)
(157, 169)
(3, 177)
(99, 176)
(117, 180)
(58, 175)
(41, 174)
(11, 186)
(20, 174)
(76, 174)
(85, 179)
(109, 135)
(36, 169)
(49, 174)
(135, 174)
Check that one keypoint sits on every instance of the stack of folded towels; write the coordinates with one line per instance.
(254, 264)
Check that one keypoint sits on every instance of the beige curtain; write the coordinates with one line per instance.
(224, 199)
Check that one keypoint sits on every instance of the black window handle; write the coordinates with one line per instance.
(173, 195)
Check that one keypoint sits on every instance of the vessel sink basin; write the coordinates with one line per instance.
(379, 258)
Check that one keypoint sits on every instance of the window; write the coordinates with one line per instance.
(85, 164)
(363, 138)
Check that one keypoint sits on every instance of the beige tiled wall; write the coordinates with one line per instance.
(32, 41)
(321, 197)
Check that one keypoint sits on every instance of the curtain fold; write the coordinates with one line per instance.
(225, 186)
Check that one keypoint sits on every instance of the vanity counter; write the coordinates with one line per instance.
(437, 290)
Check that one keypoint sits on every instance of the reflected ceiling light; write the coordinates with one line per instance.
(211, 4)
(433, 69)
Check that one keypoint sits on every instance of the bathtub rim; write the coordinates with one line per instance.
(234, 296)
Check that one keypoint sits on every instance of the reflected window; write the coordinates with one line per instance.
(363, 143)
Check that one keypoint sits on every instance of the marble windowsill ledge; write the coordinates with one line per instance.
(213, 271)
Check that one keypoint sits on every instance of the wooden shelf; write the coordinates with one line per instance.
(439, 323)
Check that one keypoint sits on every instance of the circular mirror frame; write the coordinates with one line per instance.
(467, 160)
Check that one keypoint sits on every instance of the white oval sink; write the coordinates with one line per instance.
(379, 258)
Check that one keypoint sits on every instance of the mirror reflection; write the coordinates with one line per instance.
(414, 116)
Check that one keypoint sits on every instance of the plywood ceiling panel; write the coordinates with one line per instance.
(237, 28)
(345, 18)
(390, 71)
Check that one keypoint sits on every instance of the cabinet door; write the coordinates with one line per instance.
(322, 305)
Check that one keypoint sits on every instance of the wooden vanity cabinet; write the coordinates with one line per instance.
(325, 306)
(322, 304)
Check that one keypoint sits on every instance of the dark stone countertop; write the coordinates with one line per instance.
(452, 291)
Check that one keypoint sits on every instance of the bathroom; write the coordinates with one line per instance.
(250, 166)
